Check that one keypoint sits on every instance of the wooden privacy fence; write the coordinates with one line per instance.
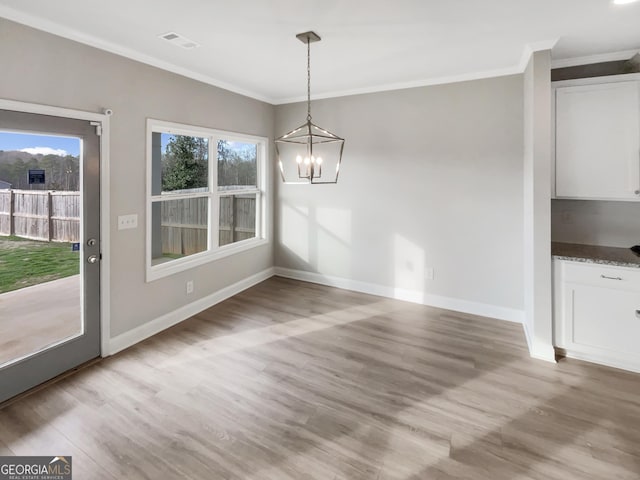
(55, 216)
(184, 223)
(237, 218)
(40, 215)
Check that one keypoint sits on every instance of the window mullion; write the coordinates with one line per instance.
(258, 224)
(214, 202)
(260, 163)
(180, 196)
(230, 193)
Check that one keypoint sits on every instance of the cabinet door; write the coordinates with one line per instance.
(598, 141)
(603, 322)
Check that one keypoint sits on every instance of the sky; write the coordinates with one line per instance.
(35, 144)
(164, 140)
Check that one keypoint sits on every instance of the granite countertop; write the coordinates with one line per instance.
(621, 257)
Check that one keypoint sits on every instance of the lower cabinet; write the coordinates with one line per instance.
(597, 313)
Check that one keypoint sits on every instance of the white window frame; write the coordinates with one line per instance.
(214, 250)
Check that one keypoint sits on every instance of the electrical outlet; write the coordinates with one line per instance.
(189, 287)
(127, 221)
(428, 273)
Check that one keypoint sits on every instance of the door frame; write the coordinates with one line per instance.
(105, 269)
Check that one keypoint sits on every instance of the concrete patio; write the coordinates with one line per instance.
(36, 317)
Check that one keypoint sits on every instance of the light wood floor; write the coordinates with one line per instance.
(290, 380)
(36, 317)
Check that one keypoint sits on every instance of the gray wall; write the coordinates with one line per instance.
(592, 222)
(431, 177)
(41, 68)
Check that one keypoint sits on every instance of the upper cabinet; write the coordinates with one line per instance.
(597, 139)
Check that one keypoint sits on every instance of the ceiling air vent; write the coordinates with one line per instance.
(179, 41)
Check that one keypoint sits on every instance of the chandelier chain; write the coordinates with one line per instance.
(308, 79)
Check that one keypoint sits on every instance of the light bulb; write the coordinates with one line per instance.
(313, 159)
(307, 161)
(319, 161)
(298, 159)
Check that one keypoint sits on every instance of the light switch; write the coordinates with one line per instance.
(127, 221)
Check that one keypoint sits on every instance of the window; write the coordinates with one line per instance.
(205, 193)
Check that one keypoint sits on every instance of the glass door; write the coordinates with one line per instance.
(49, 248)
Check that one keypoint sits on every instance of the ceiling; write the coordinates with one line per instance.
(249, 46)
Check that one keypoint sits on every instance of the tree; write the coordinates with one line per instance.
(224, 157)
(19, 176)
(184, 164)
(51, 165)
(236, 164)
(69, 173)
(61, 173)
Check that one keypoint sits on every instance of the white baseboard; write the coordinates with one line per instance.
(632, 365)
(536, 349)
(527, 335)
(127, 339)
(543, 352)
(458, 305)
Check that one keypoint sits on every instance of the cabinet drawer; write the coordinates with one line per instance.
(606, 276)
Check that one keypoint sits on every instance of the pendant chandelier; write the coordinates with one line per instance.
(309, 153)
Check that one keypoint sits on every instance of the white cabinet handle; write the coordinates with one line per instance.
(610, 278)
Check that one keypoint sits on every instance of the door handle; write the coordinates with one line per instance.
(610, 278)
(92, 259)
(638, 313)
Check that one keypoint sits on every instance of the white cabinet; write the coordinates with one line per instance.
(597, 140)
(597, 313)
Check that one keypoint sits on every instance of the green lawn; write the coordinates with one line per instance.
(27, 262)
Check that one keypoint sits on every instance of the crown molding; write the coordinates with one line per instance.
(71, 34)
(589, 59)
(92, 41)
(531, 48)
(404, 85)
(528, 50)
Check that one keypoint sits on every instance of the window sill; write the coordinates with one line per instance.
(171, 267)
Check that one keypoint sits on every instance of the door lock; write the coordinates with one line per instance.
(91, 242)
(92, 259)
